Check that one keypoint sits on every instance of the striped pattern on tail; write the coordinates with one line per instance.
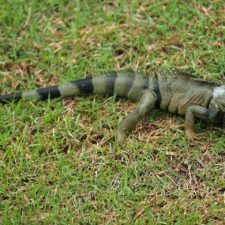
(123, 83)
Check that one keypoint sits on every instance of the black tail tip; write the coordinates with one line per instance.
(10, 97)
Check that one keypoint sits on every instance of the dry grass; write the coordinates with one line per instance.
(58, 160)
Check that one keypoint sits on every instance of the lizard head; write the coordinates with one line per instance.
(219, 97)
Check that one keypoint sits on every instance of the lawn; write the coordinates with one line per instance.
(59, 163)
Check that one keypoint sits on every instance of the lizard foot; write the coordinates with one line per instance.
(120, 137)
(190, 135)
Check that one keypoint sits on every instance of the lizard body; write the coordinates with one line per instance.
(165, 89)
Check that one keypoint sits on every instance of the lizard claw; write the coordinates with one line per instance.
(191, 136)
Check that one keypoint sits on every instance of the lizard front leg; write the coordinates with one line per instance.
(198, 112)
(146, 103)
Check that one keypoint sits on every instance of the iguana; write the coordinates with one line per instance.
(170, 90)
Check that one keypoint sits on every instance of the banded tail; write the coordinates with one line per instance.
(123, 83)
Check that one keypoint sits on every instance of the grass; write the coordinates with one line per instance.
(58, 161)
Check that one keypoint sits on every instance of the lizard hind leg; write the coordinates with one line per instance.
(146, 103)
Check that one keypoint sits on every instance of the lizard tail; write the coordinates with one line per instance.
(99, 85)
(83, 86)
(37, 94)
(124, 83)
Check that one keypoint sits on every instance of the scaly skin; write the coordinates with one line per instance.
(170, 90)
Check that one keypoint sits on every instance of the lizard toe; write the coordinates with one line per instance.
(191, 136)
